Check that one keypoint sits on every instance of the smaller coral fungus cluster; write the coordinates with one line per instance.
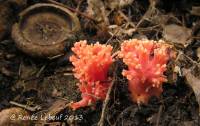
(146, 61)
(91, 64)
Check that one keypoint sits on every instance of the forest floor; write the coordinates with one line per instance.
(43, 86)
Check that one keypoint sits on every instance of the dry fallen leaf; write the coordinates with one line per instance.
(96, 9)
(195, 10)
(14, 117)
(193, 82)
(177, 34)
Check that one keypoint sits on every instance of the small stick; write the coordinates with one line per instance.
(103, 113)
(54, 57)
(32, 109)
(126, 18)
(40, 71)
(158, 116)
(68, 74)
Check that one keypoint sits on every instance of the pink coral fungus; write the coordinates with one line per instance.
(91, 64)
(146, 61)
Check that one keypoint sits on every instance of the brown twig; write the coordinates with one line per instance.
(103, 113)
(40, 71)
(105, 104)
(148, 13)
(158, 116)
(126, 18)
(32, 109)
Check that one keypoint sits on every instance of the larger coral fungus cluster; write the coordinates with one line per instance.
(146, 61)
(91, 64)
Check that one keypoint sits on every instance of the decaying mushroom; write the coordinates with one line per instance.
(43, 29)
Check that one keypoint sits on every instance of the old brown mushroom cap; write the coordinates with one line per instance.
(43, 29)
